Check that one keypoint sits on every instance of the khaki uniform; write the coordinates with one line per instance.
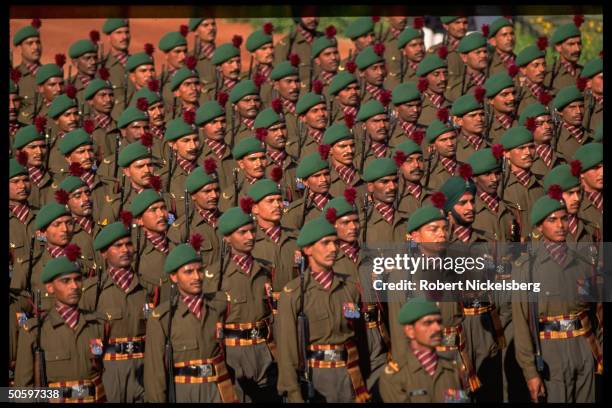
(105, 140)
(398, 135)
(567, 144)
(500, 224)
(338, 185)
(43, 192)
(438, 173)
(465, 149)
(211, 247)
(379, 231)
(409, 203)
(225, 165)
(280, 256)
(176, 191)
(293, 215)
(149, 270)
(298, 46)
(496, 64)
(460, 85)
(429, 111)
(20, 235)
(539, 168)
(523, 199)
(562, 77)
(396, 77)
(455, 63)
(590, 213)
(205, 67)
(116, 71)
(20, 308)
(102, 186)
(497, 130)
(593, 113)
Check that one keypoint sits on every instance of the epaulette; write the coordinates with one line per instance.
(30, 324)
(264, 262)
(161, 310)
(89, 283)
(391, 368)
(522, 259)
(291, 286)
(106, 161)
(512, 205)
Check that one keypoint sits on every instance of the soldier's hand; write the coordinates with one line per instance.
(536, 388)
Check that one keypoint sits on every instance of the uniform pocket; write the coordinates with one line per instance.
(57, 355)
(113, 314)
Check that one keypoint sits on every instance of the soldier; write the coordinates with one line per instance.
(536, 117)
(532, 67)
(567, 42)
(287, 87)
(84, 55)
(433, 79)
(442, 148)
(344, 94)
(469, 117)
(520, 186)
(501, 100)
(390, 40)
(141, 71)
(334, 375)
(157, 123)
(66, 117)
(570, 134)
(27, 40)
(342, 150)
(427, 375)
(261, 47)
(474, 55)
(559, 268)
(598, 136)
(119, 36)
(299, 42)
(174, 45)
(407, 107)
(100, 98)
(411, 51)
(20, 308)
(590, 159)
(246, 103)
(326, 59)
(375, 127)
(361, 33)
(228, 66)
(502, 38)
(593, 97)
(200, 373)
(411, 193)
(120, 297)
(14, 107)
(372, 73)
(313, 116)
(72, 339)
(456, 28)
(204, 47)
(49, 85)
(251, 160)
(185, 85)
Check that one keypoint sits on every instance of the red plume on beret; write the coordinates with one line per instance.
(89, 126)
(417, 136)
(375, 19)
(530, 124)
(385, 97)
(379, 49)
(70, 91)
(442, 115)
(277, 105)
(196, 240)
(222, 98)
(479, 93)
(422, 84)
(465, 171)
(153, 85)
(142, 104)
(268, 28)
(146, 139)
(15, 75)
(350, 195)
(324, 151)
(497, 150)
(438, 199)
(149, 49)
(41, 123)
(156, 183)
(61, 196)
(399, 157)
(237, 41)
(103, 73)
(317, 86)
(542, 43)
(349, 120)
(60, 60)
(259, 79)
(330, 31)
(191, 62)
(72, 252)
(443, 52)
(485, 30)
(94, 36)
(210, 165)
(576, 167)
(351, 66)
(75, 169)
(36, 23)
(126, 218)
(189, 117)
(22, 157)
(184, 30)
(276, 174)
(331, 215)
(578, 20)
(581, 83)
(555, 192)
(544, 98)
(513, 70)
(294, 59)
(261, 133)
(246, 204)
(418, 23)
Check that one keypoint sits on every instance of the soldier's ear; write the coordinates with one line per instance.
(409, 331)
(493, 42)
(463, 58)
(50, 288)
(370, 188)
(173, 277)
(240, 164)
(176, 93)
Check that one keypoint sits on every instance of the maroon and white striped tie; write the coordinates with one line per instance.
(316, 134)
(394, 32)
(596, 198)
(327, 77)
(122, 57)
(229, 83)
(87, 223)
(386, 210)
(249, 123)
(102, 121)
(436, 99)
(573, 223)
(523, 176)
(463, 233)
(158, 131)
(557, 251)
(598, 99)
(207, 49)
(159, 241)
(13, 128)
(475, 141)
(194, 304)
(505, 120)
(186, 165)
(69, 314)
(85, 80)
(264, 70)
(351, 250)
(414, 189)
(349, 110)
(308, 36)
(36, 174)
(491, 201)
(347, 174)
(576, 131)
(379, 149)
(320, 200)
(33, 68)
(55, 251)
(477, 78)
(507, 59)
(210, 217)
(274, 233)
(288, 105)
(568, 67)
(373, 90)
(428, 360)
(452, 43)
(408, 127)
(88, 178)
(450, 165)
(545, 152)
(20, 211)
(324, 278)
(277, 157)
(122, 277)
(218, 148)
(244, 262)
(535, 89)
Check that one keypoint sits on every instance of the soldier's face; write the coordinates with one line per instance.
(264, 54)
(504, 101)
(413, 168)
(364, 41)
(328, 59)
(231, 68)
(187, 147)
(573, 113)
(189, 91)
(207, 30)
(414, 50)
(572, 198)
(31, 49)
(243, 239)
(398, 22)
(310, 23)
(249, 106)
(103, 101)
(437, 80)
(504, 39)
(522, 156)
(155, 218)
(543, 133)
(86, 64)
(120, 39)
(427, 331)
(135, 130)
(14, 106)
(343, 152)
(465, 207)
(375, 74)
(207, 198)
(347, 228)
(288, 87)
(59, 232)
(570, 49)
(156, 114)
(120, 253)
(80, 202)
(554, 227)
(66, 288)
(215, 130)
(384, 189)
(254, 165)
(476, 60)
(316, 117)
(140, 172)
(37, 151)
(377, 127)
(142, 74)
(277, 136)
(596, 84)
(322, 254)
(457, 28)
(592, 179)
(84, 155)
(472, 122)
(69, 120)
(269, 209)
(446, 144)
(432, 237)
(51, 88)
(349, 96)
(319, 182)
(488, 182)
(535, 71)
(19, 188)
(410, 111)
(176, 57)
(188, 278)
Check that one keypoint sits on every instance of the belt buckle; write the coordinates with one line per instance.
(129, 347)
(476, 304)
(566, 325)
(204, 370)
(330, 355)
(449, 339)
(254, 333)
(78, 391)
(554, 326)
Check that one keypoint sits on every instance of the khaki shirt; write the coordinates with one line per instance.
(293, 215)
(211, 247)
(523, 198)
(567, 144)
(280, 256)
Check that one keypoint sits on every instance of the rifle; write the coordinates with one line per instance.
(590, 108)
(122, 190)
(330, 110)
(429, 166)
(236, 187)
(98, 286)
(292, 35)
(363, 150)
(310, 75)
(505, 175)
(250, 67)
(168, 352)
(137, 264)
(401, 64)
(174, 107)
(304, 205)
(170, 170)
(48, 153)
(520, 93)
(40, 371)
(557, 123)
(196, 46)
(464, 69)
(125, 90)
(488, 122)
(367, 213)
(186, 215)
(533, 320)
(553, 72)
(117, 142)
(31, 263)
(303, 333)
(233, 130)
(217, 83)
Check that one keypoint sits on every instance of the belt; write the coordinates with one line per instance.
(477, 308)
(454, 340)
(80, 391)
(370, 316)
(197, 370)
(124, 348)
(274, 302)
(245, 334)
(327, 355)
(563, 326)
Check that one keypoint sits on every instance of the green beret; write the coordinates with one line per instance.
(379, 168)
(138, 59)
(198, 178)
(408, 147)
(223, 53)
(341, 206)
(368, 57)
(406, 92)
(430, 63)
(483, 161)
(50, 213)
(415, 308)
(358, 27)
(151, 97)
(248, 145)
(529, 54)
(309, 100)
(47, 72)
(516, 136)
(321, 43)
(543, 207)
(181, 76)
(267, 118)
(194, 23)
(61, 104)
(178, 128)
(131, 114)
(448, 19)
(257, 39)
(561, 175)
(471, 42)
(336, 133)
(25, 33)
(181, 255)
(132, 152)
(453, 188)
(564, 32)
(424, 215)
(82, 47)
(435, 129)
(144, 200)
(242, 89)
(408, 35)
(112, 24)
(498, 24)
(497, 83)
(465, 104)
(283, 70)
(533, 110)
(109, 234)
(566, 96)
(72, 183)
(207, 112)
(95, 86)
(598, 136)
(369, 109)
(27, 135)
(16, 169)
(315, 230)
(12, 87)
(233, 219)
(263, 188)
(171, 40)
(341, 81)
(74, 139)
(590, 155)
(57, 267)
(592, 68)
(310, 165)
